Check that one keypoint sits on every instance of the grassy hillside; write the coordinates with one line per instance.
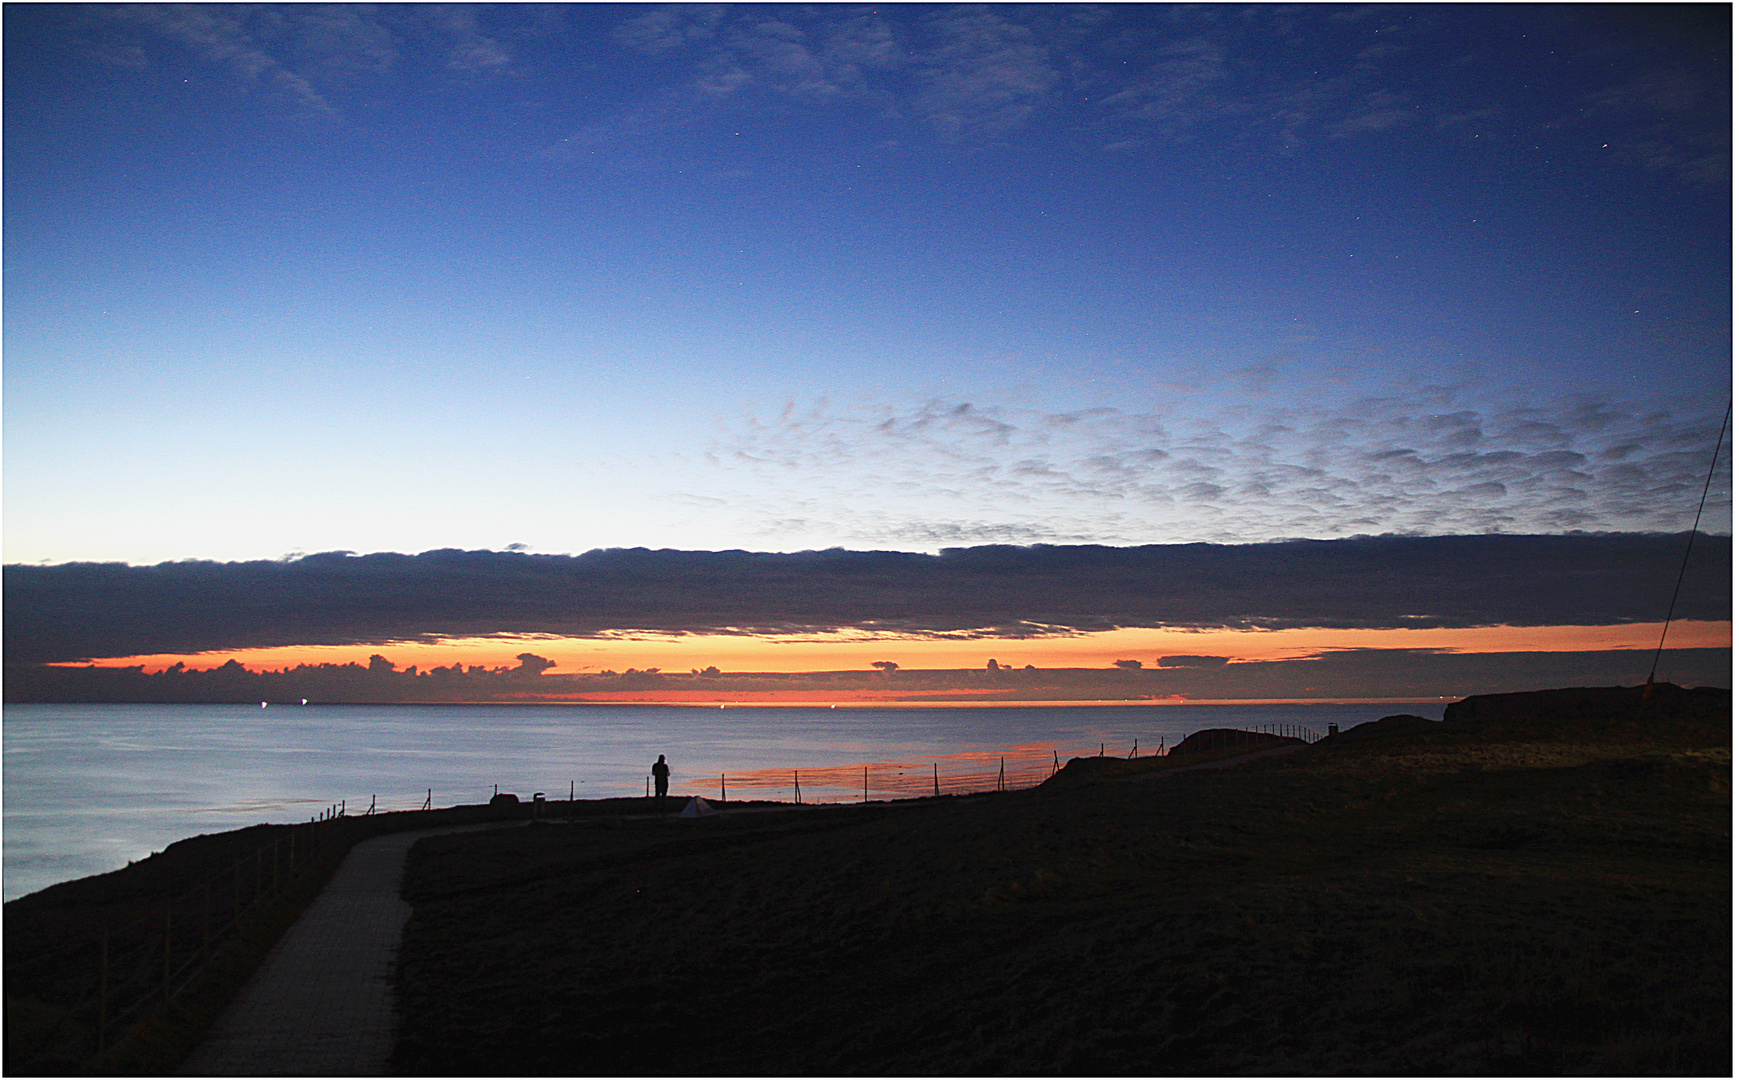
(1503, 894)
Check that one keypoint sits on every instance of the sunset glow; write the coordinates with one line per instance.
(849, 651)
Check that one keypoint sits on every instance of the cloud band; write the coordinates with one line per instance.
(90, 610)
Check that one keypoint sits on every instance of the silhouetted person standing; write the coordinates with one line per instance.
(660, 779)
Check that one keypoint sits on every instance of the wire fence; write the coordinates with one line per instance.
(962, 773)
(148, 950)
(104, 984)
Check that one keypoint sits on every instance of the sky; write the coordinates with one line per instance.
(284, 280)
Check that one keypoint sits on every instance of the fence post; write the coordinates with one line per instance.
(1001, 765)
(797, 785)
(936, 778)
(866, 783)
(103, 993)
(721, 787)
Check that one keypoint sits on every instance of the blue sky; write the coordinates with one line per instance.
(310, 278)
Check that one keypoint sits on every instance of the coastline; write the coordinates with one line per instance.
(91, 786)
(1533, 790)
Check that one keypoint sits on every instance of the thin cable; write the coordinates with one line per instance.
(1686, 561)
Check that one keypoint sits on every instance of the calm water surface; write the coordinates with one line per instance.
(89, 787)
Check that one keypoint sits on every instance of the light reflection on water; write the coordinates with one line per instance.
(89, 787)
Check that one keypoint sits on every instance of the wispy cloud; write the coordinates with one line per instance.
(312, 55)
(958, 70)
(1661, 119)
(469, 49)
(985, 73)
(670, 27)
(230, 36)
(1128, 76)
(1180, 85)
(1435, 462)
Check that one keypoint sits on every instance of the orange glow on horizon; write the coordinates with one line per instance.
(857, 651)
(918, 699)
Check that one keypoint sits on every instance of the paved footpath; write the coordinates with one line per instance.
(322, 1003)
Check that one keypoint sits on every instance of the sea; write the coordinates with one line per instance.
(88, 788)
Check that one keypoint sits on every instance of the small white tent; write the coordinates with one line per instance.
(697, 807)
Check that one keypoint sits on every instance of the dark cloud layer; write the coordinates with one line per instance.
(90, 610)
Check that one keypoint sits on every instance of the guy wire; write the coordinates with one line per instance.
(1686, 561)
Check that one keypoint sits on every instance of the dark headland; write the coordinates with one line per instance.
(1537, 884)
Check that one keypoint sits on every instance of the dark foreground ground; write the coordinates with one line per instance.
(1541, 888)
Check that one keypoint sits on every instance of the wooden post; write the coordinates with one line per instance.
(721, 787)
(866, 783)
(797, 786)
(936, 778)
(103, 993)
(1002, 764)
